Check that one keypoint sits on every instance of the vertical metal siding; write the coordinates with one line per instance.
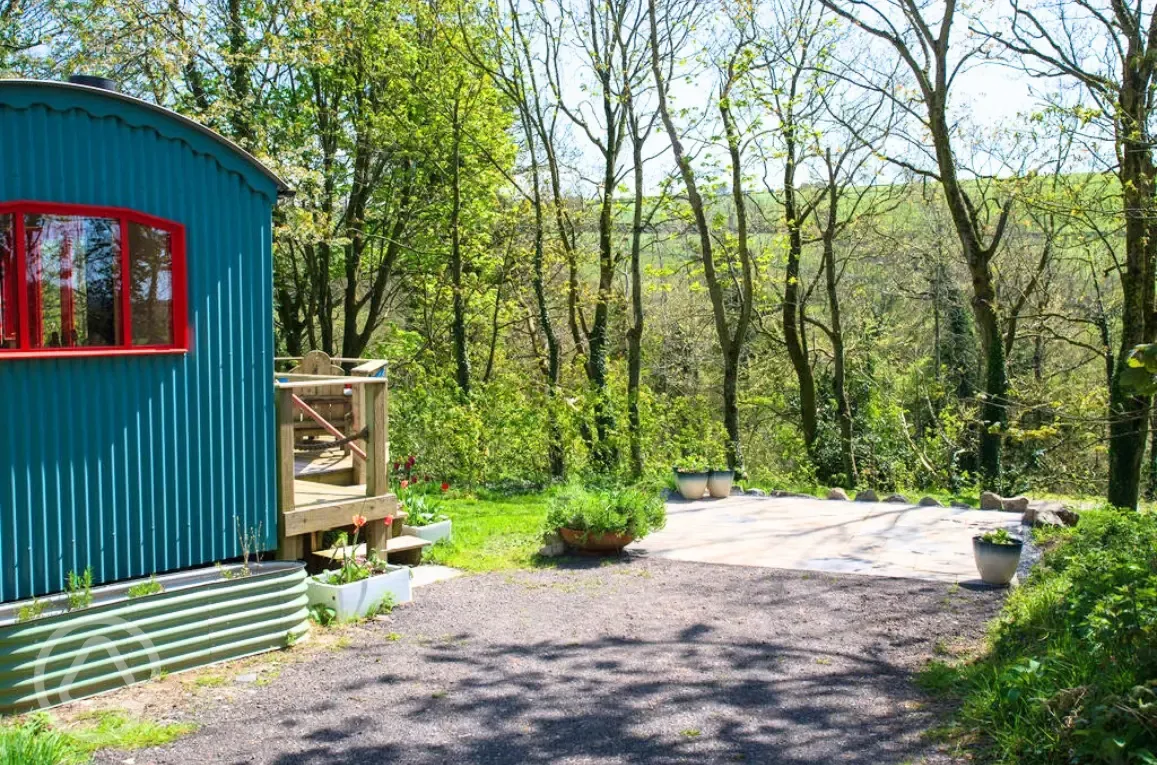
(138, 465)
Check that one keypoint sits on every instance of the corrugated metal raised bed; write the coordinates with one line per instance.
(201, 617)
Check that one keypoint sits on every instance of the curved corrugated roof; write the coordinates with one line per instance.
(245, 157)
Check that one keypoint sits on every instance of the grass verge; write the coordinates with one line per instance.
(1070, 674)
(38, 739)
(492, 534)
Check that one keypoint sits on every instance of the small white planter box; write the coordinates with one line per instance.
(355, 600)
(432, 533)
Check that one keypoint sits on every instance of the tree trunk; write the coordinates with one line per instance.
(1128, 413)
(605, 454)
(727, 343)
(635, 332)
(461, 351)
(792, 310)
(839, 383)
(1151, 485)
(994, 409)
(734, 349)
(240, 108)
(555, 451)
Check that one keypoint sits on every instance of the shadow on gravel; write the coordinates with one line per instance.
(689, 692)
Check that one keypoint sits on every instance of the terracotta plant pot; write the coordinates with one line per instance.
(692, 485)
(595, 543)
(719, 483)
(996, 563)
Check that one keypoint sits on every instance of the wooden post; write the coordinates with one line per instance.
(359, 409)
(288, 548)
(377, 460)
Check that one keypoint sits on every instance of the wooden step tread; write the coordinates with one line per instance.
(395, 544)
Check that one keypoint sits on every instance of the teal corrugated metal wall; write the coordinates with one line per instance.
(139, 464)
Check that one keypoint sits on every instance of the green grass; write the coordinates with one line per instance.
(38, 739)
(34, 742)
(492, 534)
(1070, 674)
(210, 681)
(111, 729)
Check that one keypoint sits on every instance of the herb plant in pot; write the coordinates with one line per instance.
(362, 582)
(997, 555)
(691, 477)
(604, 521)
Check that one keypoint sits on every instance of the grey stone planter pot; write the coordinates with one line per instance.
(719, 483)
(996, 563)
(691, 485)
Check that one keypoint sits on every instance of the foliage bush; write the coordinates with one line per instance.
(1071, 674)
(612, 511)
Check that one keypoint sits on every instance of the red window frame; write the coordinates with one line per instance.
(124, 216)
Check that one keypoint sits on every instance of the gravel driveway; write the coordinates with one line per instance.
(636, 661)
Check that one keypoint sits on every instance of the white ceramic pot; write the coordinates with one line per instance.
(356, 599)
(432, 532)
(691, 485)
(719, 483)
(996, 563)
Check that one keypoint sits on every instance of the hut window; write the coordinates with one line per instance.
(9, 307)
(95, 280)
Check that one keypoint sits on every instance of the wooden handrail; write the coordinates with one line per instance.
(339, 359)
(313, 381)
(325, 424)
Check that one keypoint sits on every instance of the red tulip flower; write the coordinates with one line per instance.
(404, 484)
(388, 521)
(445, 486)
(359, 521)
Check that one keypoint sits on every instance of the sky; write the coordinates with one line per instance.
(989, 96)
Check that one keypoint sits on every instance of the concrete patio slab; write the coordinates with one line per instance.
(420, 576)
(877, 538)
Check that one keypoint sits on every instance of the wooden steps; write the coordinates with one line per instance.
(402, 549)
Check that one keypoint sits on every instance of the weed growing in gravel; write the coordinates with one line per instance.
(383, 607)
(35, 742)
(268, 677)
(691, 733)
(39, 740)
(321, 615)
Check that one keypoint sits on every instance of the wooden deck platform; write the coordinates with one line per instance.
(320, 490)
(333, 466)
(307, 493)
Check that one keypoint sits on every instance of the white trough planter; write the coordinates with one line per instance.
(433, 532)
(355, 600)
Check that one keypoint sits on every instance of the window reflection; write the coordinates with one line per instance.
(73, 269)
(9, 310)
